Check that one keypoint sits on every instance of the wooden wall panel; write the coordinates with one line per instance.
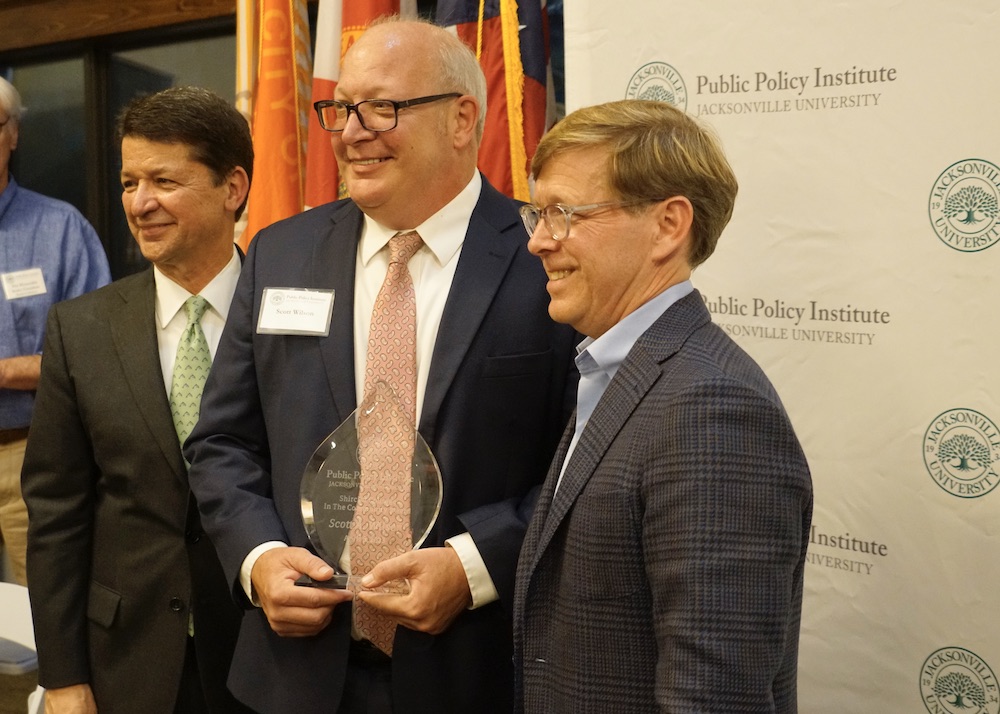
(32, 23)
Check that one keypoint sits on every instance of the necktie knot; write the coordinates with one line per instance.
(403, 246)
(194, 308)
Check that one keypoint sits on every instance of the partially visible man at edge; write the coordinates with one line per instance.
(493, 391)
(48, 252)
(662, 570)
(130, 606)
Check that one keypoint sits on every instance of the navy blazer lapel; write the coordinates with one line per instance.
(487, 253)
(133, 330)
(636, 376)
(333, 266)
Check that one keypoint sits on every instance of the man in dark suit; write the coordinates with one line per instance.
(662, 569)
(130, 605)
(491, 389)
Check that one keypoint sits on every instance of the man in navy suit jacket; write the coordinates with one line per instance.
(494, 373)
(662, 569)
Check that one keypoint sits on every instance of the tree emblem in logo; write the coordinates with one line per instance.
(658, 81)
(954, 680)
(960, 691)
(962, 452)
(970, 205)
(965, 205)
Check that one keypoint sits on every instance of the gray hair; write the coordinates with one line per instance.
(10, 100)
(458, 68)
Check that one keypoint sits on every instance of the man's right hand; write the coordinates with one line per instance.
(291, 610)
(75, 699)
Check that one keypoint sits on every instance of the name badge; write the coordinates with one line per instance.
(295, 311)
(23, 283)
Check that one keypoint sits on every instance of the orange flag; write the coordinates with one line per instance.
(280, 110)
(338, 25)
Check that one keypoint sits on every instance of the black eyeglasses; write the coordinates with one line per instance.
(374, 114)
(558, 217)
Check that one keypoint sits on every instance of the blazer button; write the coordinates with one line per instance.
(193, 536)
(176, 604)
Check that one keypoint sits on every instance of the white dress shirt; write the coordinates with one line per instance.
(171, 319)
(432, 270)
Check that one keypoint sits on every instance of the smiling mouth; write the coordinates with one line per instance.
(367, 162)
(557, 274)
(151, 227)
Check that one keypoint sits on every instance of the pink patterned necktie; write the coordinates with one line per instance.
(381, 525)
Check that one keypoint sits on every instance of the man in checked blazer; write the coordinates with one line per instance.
(662, 570)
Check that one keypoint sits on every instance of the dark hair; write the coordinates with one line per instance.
(217, 133)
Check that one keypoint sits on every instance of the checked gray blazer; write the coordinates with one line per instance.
(666, 572)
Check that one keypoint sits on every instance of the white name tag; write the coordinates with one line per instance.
(295, 311)
(23, 283)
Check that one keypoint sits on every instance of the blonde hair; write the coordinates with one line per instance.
(655, 151)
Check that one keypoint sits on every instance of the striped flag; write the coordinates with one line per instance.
(338, 25)
(510, 38)
(279, 61)
(246, 56)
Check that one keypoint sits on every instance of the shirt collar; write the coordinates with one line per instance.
(443, 233)
(170, 296)
(609, 350)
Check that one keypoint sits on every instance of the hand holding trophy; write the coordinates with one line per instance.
(355, 506)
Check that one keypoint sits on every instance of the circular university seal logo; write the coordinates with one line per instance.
(965, 205)
(658, 81)
(954, 680)
(962, 453)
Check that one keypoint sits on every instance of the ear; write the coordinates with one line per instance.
(464, 116)
(674, 217)
(238, 186)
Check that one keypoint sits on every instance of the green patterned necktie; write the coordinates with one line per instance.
(190, 369)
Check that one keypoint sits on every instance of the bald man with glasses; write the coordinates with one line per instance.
(493, 388)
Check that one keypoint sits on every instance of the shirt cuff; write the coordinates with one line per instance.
(247, 568)
(480, 583)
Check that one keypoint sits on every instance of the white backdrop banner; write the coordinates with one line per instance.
(860, 270)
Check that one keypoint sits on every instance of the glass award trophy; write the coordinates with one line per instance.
(334, 478)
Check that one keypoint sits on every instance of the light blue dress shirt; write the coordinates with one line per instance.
(598, 360)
